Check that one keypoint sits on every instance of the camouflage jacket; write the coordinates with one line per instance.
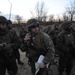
(43, 42)
(65, 43)
(9, 38)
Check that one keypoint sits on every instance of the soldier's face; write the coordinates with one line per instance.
(35, 30)
(57, 27)
(3, 26)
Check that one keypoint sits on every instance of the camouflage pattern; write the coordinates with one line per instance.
(42, 41)
(48, 45)
(38, 44)
(66, 25)
(64, 45)
(54, 34)
(22, 34)
(9, 42)
(48, 30)
(31, 23)
(43, 46)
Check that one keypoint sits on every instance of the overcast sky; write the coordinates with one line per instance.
(23, 7)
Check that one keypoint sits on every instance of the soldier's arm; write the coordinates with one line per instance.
(14, 40)
(23, 46)
(50, 49)
(60, 44)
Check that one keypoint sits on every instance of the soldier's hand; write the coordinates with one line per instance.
(27, 37)
(7, 46)
(42, 65)
(8, 49)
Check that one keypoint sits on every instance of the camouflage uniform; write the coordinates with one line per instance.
(41, 44)
(65, 43)
(8, 43)
(17, 53)
(22, 33)
(48, 30)
(54, 33)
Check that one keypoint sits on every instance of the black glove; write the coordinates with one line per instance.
(8, 50)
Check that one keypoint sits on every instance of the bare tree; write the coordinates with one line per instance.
(18, 18)
(51, 18)
(65, 17)
(59, 19)
(70, 9)
(44, 18)
(40, 11)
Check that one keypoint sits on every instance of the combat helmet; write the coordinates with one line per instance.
(9, 21)
(32, 23)
(3, 19)
(66, 25)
